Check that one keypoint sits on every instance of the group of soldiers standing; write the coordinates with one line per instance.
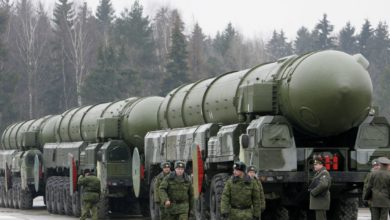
(242, 198)
(376, 190)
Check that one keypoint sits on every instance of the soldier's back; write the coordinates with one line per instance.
(380, 181)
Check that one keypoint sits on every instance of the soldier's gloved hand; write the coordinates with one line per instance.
(365, 203)
(225, 215)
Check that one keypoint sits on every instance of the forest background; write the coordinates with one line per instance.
(51, 61)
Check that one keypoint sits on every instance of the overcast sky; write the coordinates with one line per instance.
(258, 18)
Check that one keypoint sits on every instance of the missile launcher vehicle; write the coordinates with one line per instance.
(277, 116)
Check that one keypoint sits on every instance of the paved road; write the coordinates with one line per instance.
(39, 213)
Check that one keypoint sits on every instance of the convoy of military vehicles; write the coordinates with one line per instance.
(277, 116)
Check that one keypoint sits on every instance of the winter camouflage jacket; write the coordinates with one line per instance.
(241, 198)
(179, 191)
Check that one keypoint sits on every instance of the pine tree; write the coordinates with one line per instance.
(102, 84)
(325, 40)
(278, 47)
(223, 41)
(105, 16)
(380, 53)
(134, 36)
(105, 12)
(365, 38)
(303, 42)
(197, 54)
(63, 15)
(177, 68)
(347, 39)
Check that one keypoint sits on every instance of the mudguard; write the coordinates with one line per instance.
(136, 172)
(197, 170)
(37, 170)
(72, 174)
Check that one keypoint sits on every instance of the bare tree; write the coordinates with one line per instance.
(162, 30)
(79, 48)
(30, 43)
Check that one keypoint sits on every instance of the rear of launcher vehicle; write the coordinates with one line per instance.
(278, 117)
(99, 138)
(21, 174)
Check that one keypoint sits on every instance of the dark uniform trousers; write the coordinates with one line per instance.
(379, 213)
(320, 214)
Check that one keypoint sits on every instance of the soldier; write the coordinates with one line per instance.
(176, 193)
(319, 190)
(251, 171)
(378, 190)
(166, 169)
(374, 166)
(91, 194)
(241, 196)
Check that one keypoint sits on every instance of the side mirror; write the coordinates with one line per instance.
(244, 141)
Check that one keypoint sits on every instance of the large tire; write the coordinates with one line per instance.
(53, 195)
(217, 185)
(76, 205)
(1, 193)
(59, 188)
(5, 197)
(201, 208)
(153, 206)
(16, 193)
(276, 211)
(144, 200)
(67, 198)
(344, 209)
(10, 194)
(49, 205)
(103, 207)
(26, 199)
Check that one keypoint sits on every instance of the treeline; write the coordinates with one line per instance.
(53, 61)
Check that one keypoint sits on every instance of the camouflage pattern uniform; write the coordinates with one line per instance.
(241, 198)
(378, 191)
(90, 196)
(319, 193)
(178, 190)
(262, 197)
(159, 179)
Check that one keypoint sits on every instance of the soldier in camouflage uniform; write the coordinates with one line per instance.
(251, 171)
(374, 166)
(166, 169)
(319, 190)
(176, 193)
(241, 196)
(90, 196)
(378, 190)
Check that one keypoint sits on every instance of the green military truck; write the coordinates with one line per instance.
(44, 157)
(278, 117)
